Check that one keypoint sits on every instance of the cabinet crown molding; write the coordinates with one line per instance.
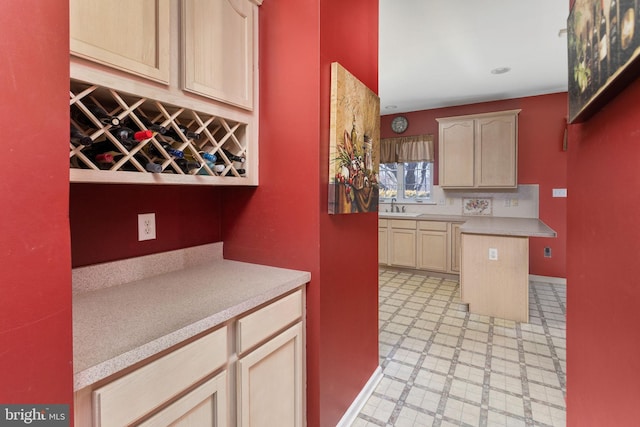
(478, 116)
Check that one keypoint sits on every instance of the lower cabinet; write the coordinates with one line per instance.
(420, 244)
(270, 382)
(432, 245)
(402, 243)
(456, 240)
(205, 406)
(383, 242)
(271, 365)
(256, 379)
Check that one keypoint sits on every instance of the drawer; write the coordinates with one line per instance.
(138, 393)
(432, 225)
(382, 222)
(403, 223)
(269, 320)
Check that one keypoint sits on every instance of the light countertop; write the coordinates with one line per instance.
(531, 227)
(423, 217)
(523, 227)
(118, 326)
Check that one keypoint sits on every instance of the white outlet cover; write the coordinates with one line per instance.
(493, 254)
(146, 226)
(559, 192)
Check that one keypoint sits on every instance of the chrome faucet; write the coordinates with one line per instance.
(393, 200)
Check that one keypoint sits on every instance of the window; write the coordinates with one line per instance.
(407, 182)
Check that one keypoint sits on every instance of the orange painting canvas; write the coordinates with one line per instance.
(354, 149)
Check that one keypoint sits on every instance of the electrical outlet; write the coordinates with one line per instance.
(493, 254)
(559, 192)
(146, 226)
(514, 202)
(547, 252)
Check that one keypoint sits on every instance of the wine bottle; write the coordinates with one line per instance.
(208, 156)
(614, 28)
(241, 172)
(125, 133)
(129, 138)
(188, 166)
(205, 156)
(232, 157)
(595, 52)
(173, 134)
(99, 113)
(78, 138)
(587, 57)
(154, 152)
(628, 38)
(603, 47)
(211, 166)
(149, 165)
(152, 126)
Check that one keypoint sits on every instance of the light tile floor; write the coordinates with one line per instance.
(446, 367)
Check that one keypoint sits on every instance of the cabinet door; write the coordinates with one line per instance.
(131, 36)
(270, 382)
(456, 154)
(432, 250)
(497, 143)
(218, 49)
(140, 392)
(383, 246)
(206, 406)
(455, 248)
(403, 247)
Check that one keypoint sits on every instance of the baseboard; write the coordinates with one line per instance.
(548, 279)
(356, 406)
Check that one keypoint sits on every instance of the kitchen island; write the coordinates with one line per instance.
(494, 274)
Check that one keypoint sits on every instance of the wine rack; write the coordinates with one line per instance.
(172, 144)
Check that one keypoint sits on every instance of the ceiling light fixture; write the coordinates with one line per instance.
(500, 70)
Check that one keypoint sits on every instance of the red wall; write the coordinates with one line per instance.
(541, 125)
(104, 219)
(603, 320)
(35, 279)
(284, 221)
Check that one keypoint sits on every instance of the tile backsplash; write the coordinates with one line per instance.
(519, 203)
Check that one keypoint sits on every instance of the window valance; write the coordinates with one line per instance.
(417, 148)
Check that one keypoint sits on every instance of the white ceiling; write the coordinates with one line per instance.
(438, 53)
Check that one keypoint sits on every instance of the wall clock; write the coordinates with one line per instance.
(399, 124)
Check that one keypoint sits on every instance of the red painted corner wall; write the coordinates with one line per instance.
(104, 219)
(284, 222)
(35, 275)
(603, 289)
(541, 160)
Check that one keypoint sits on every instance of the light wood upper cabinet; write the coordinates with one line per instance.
(497, 147)
(130, 36)
(479, 151)
(218, 55)
(456, 153)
